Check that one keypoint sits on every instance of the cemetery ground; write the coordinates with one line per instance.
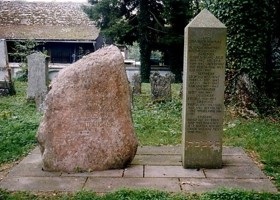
(155, 124)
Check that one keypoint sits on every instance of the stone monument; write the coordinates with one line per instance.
(87, 124)
(203, 91)
(37, 78)
(6, 84)
(136, 83)
(3, 60)
(161, 87)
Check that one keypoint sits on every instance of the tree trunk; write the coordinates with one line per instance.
(145, 49)
(176, 61)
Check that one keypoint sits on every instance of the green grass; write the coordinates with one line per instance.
(144, 194)
(158, 123)
(18, 125)
(261, 136)
(155, 124)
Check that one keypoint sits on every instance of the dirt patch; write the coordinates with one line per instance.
(5, 168)
(256, 158)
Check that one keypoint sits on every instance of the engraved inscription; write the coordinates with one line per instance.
(204, 124)
(214, 145)
(87, 125)
(205, 78)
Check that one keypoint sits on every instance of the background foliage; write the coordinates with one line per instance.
(19, 54)
(253, 33)
(156, 25)
(253, 56)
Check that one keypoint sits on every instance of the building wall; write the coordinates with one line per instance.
(59, 52)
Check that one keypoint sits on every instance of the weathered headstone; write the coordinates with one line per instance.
(170, 76)
(87, 124)
(37, 78)
(203, 91)
(161, 87)
(136, 83)
(4, 75)
(3, 60)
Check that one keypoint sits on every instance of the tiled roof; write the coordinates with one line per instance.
(45, 21)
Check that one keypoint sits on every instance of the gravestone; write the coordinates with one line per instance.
(37, 78)
(170, 76)
(203, 91)
(136, 83)
(161, 87)
(4, 75)
(87, 124)
(3, 60)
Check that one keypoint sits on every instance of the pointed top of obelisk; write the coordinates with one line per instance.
(206, 19)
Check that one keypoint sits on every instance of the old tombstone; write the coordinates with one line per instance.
(136, 83)
(3, 60)
(6, 84)
(203, 91)
(37, 78)
(170, 76)
(87, 124)
(161, 87)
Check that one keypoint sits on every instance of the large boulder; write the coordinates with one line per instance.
(87, 124)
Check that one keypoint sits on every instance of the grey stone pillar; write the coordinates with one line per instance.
(37, 78)
(203, 91)
(3, 60)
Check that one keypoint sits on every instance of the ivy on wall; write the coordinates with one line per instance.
(251, 34)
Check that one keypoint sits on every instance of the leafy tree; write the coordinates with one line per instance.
(20, 52)
(117, 19)
(151, 25)
(128, 21)
(273, 55)
(145, 21)
(177, 14)
(22, 49)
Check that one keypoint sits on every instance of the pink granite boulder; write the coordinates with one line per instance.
(87, 124)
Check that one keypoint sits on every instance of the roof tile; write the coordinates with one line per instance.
(45, 21)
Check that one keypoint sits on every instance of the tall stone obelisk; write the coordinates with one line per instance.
(203, 91)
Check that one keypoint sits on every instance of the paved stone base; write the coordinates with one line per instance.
(153, 168)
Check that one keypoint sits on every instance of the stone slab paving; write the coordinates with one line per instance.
(174, 160)
(192, 185)
(134, 171)
(235, 172)
(111, 184)
(153, 168)
(172, 171)
(44, 184)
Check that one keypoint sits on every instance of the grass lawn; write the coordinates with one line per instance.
(155, 124)
(125, 194)
(160, 123)
(261, 139)
(18, 125)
